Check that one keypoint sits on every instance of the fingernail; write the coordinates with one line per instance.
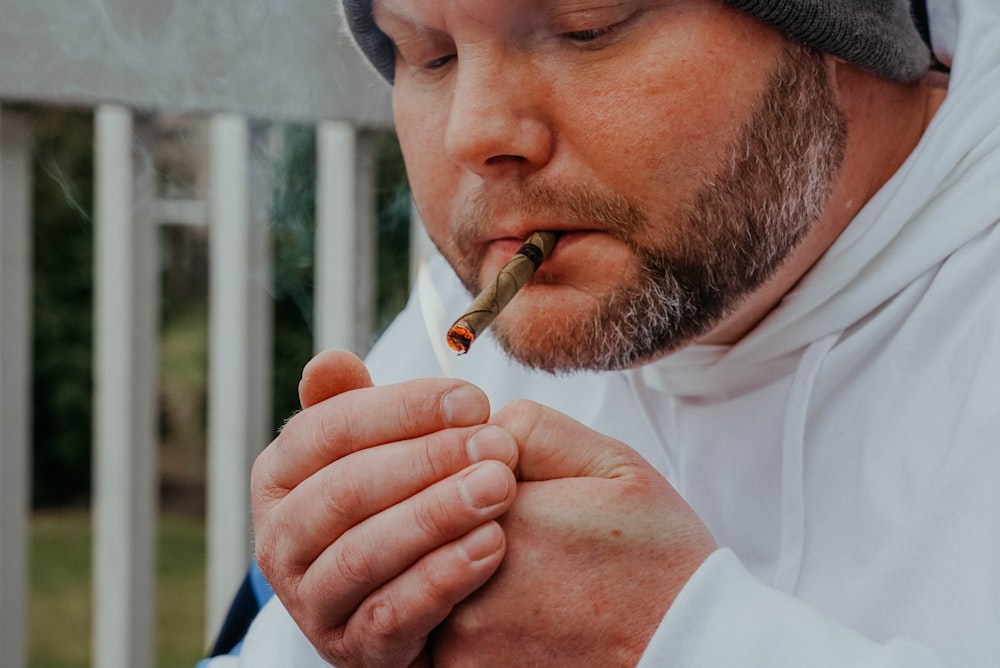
(482, 542)
(484, 486)
(465, 406)
(492, 442)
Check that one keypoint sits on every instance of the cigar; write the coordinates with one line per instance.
(515, 275)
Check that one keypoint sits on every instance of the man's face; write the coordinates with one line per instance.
(681, 148)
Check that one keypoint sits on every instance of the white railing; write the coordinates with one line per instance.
(231, 60)
(126, 307)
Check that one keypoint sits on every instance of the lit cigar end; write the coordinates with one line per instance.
(514, 275)
(460, 337)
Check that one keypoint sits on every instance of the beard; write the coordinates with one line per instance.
(735, 232)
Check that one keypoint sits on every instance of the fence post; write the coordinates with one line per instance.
(15, 384)
(345, 237)
(125, 336)
(336, 235)
(239, 353)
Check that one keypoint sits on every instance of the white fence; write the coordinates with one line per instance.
(235, 60)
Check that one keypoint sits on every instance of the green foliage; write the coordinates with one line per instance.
(393, 202)
(63, 299)
(293, 232)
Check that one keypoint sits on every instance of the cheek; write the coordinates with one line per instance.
(428, 171)
(660, 144)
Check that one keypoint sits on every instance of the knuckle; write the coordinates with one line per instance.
(353, 563)
(338, 493)
(330, 428)
(384, 619)
(435, 459)
(409, 413)
(437, 584)
(433, 518)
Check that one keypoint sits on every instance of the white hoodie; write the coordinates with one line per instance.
(846, 453)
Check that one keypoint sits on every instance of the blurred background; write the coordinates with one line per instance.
(62, 361)
(281, 73)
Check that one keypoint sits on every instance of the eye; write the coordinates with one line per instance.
(601, 35)
(438, 63)
(590, 34)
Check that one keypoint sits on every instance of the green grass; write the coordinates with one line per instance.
(60, 603)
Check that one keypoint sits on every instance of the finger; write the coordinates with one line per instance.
(363, 484)
(401, 615)
(330, 373)
(553, 445)
(360, 419)
(384, 546)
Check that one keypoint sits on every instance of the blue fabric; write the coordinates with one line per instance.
(261, 588)
(253, 593)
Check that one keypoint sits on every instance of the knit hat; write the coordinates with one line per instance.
(877, 35)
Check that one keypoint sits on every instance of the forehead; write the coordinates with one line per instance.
(498, 13)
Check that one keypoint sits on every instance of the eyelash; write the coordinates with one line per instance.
(591, 34)
(438, 63)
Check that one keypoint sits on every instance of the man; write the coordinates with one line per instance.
(776, 285)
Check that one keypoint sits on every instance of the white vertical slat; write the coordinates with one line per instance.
(336, 236)
(345, 237)
(125, 488)
(239, 350)
(15, 386)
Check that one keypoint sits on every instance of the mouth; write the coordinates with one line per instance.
(499, 250)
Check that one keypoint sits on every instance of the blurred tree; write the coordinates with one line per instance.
(394, 205)
(293, 232)
(63, 299)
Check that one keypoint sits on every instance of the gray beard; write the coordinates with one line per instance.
(739, 228)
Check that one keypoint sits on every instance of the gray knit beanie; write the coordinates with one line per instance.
(878, 35)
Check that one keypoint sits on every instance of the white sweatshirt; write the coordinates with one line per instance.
(845, 454)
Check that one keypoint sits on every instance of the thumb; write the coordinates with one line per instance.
(553, 445)
(330, 373)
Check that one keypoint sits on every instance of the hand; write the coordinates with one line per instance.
(598, 546)
(374, 509)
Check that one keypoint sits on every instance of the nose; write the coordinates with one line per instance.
(497, 124)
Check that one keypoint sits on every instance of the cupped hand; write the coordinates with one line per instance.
(598, 546)
(375, 508)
